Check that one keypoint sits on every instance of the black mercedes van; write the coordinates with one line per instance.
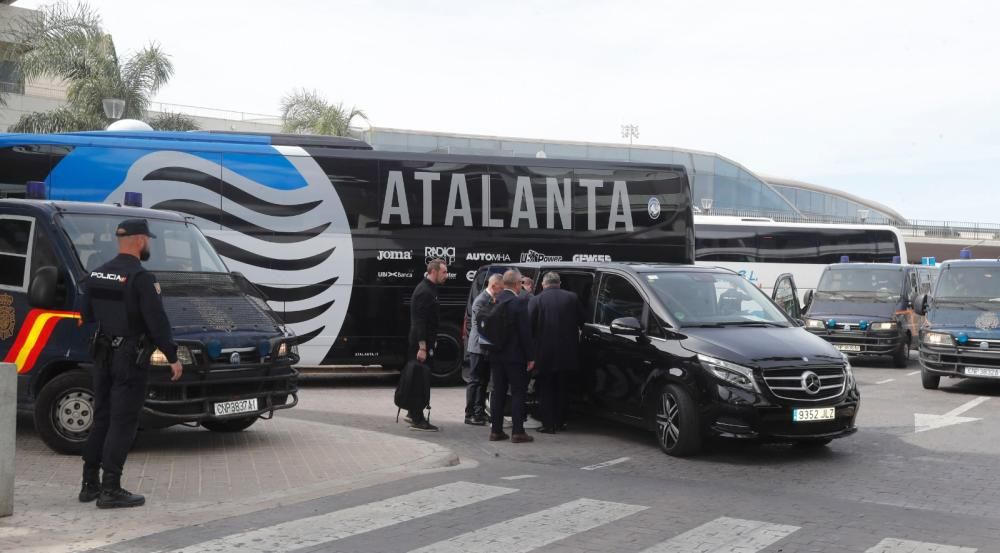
(960, 337)
(691, 351)
(865, 309)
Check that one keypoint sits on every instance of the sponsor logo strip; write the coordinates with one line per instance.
(33, 337)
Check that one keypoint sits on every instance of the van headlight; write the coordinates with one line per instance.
(937, 339)
(731, 373)
(183, 355)
(891, 325)
(282, 349)
(814, 323)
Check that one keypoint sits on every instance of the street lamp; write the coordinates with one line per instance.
(706, 204)
(114, 108)
(630, 131)
(863, 215)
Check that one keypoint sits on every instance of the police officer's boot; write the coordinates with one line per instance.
(91, 488)
(113, 496)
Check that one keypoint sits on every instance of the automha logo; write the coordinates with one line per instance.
(487, 256)
(531, 256)
(447, 253)
(395, 255)
(592, 258)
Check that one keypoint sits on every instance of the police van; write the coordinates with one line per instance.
(961, 335)
(237, 354)
(866, 309)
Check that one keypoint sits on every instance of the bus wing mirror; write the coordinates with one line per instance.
(47, 289)
(920, 304)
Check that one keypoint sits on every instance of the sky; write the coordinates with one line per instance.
(896, 101)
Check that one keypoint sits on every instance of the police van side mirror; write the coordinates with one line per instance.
(807, 300)
(47, 290)
(626, 326)
(920, 304)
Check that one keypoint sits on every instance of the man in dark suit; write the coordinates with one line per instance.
(557, 318)
(510, 364)
(424, 317)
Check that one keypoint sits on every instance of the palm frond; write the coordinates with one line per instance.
(170, 121)
(64, 119)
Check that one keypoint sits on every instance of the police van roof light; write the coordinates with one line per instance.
(966, 253)
(36, 190)
(845, 259)
(133, 199)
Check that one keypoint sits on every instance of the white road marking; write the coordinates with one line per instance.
(725, 535)
(922, 422)
(912, 373)
(886, 381)
(606, 463)
(328, 527)
(892, 545)
(530, 532)
(518, 477)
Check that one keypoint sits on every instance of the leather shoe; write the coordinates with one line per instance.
(546, 430)
(498, 436)
(521, 438)
(475, 421)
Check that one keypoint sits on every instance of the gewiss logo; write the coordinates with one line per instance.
(592, 258)
(447, 253)
(395, 255)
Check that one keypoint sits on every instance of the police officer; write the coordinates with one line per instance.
(124, 300)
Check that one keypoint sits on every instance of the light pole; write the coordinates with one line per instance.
(114, 108)
(630, 131)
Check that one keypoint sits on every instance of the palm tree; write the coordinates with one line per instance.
(69, 44)
(308, 112)
(171, 121)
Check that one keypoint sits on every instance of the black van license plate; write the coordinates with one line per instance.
(235, 407)
(809, 415)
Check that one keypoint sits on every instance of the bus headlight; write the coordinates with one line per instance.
(891, 325)
(937, 339)
(813, 323)
(734, 374)
(183, 355)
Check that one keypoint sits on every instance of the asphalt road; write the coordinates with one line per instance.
(921, 475)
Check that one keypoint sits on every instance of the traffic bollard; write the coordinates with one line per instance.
(8, 428)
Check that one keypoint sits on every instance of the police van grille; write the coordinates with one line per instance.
(212, 301)
(786, 382)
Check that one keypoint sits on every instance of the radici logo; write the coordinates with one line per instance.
(489, 257)
(394, 255)
(447, 253)
(531, 256)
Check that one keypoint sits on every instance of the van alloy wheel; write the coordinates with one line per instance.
(668, 421)
(678, 422)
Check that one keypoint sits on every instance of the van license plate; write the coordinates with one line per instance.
(848, 347)
(982, 371)
(809, 415)
(234, 407)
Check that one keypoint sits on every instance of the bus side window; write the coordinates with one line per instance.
(25, 163)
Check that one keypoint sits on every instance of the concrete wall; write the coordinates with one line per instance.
(8, 428)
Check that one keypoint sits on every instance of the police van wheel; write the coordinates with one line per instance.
(64, 412)
(901, 357)
(929, 381)
(234, 425)
(678, 427)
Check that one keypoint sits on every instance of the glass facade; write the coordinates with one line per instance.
(717, 183)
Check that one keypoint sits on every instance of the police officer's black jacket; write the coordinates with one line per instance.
(424, 313)
(124, 299)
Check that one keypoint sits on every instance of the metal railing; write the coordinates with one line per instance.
(215, 113)
(967, 231)
(11, 88)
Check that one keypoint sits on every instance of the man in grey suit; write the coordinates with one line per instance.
(557, 317)
(479, 364)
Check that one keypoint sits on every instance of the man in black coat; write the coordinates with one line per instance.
(510, 364)
(424, 318)
(557, 318)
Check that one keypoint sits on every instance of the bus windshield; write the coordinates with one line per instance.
(178, 246)
(861, 284)
(981, 283)
(714, 300)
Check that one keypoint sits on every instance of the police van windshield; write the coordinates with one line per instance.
(969, 283)
(714, 300)
(177, 247)
(861, 284)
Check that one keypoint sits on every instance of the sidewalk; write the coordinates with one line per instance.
(190, 476)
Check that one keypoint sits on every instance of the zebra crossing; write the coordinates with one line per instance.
(533, 531)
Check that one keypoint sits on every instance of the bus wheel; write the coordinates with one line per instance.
(447, 367)
(64, 412)
(678, 427)
(232, 425)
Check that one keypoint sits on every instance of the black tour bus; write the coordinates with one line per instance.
(336, 234)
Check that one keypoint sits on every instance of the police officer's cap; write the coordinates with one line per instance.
(132, 227)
